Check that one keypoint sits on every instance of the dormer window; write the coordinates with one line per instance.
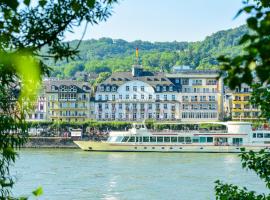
(164, 88)
(114, 88)
(158, 88)
(107, 88)
(72, 88)
(171, 88)
(102, 88)
(85, 87)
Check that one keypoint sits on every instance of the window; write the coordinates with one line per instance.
(157, 97)
(177, 80)
(159, 139)
(127, 88)
(165, 97)
(145, 139)
(127, 96)
(107, 88)
(174, 139)
(188, 139)
(131, 139)
(167, 139)
(134, 96)
(171, 88)
(153, 139)
(181, 139)
(120, 96)
(259, 135)
(120, 106)
(150, 96)
(106, 97)
(164, 88)
(142, 88)
(113, 97)
(267, 135)
(142, 96)
(158, 88)
(173, 97)
(165, 106)
(135, 88)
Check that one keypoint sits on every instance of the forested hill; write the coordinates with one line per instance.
(108, 55)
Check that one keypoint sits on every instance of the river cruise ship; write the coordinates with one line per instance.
(232, 138)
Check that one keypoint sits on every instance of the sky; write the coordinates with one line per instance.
(165, 20)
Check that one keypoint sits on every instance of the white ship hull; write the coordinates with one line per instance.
(125, 147)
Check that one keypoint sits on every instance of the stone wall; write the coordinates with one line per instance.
(50, 142)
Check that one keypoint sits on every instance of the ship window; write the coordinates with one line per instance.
(118, 139)
(145, 139)
(131, 139)
(195, 139)
(166, 139)
(174, 139)
(188, 139)
(254, 135)
(125, 139)
(138, 139)
(159, 139)
(267, 135)
(181, 139)
(259, 135)
(202, 139)
(209, 139)
(237, 140)
(153, 139)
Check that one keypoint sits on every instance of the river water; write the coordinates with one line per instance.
(74, 174)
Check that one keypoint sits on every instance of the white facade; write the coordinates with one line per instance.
(135, 100)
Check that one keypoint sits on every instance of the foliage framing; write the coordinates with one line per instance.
(253, 65)
(25, 28)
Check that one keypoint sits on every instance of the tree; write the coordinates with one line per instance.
(26, 29)
(252, 65)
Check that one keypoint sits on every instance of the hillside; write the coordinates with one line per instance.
(108, 55)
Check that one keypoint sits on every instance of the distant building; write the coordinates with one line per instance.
(40, 109)
(136, 96)
(200, 94)
(242, 109)
(67, 100)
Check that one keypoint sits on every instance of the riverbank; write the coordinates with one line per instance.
(50, 142)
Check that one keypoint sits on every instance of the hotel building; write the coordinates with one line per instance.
(67, 100)
(242, 109)
(200, 94)
(136, 96)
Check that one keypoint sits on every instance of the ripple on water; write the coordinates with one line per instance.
(74, 174)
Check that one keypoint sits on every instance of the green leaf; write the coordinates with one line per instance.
(38, 191)
(91, 3)
(42, 3)
(252, 23)
(27, 2)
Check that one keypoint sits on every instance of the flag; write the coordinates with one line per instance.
(137, 53)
